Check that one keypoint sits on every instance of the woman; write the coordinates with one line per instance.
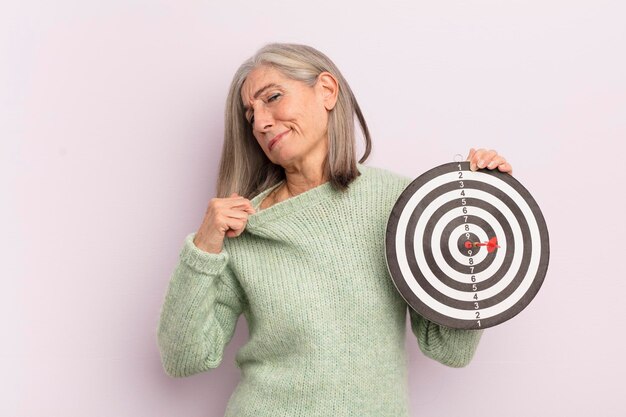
(295, 242)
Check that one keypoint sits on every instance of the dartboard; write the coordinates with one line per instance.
(466, 249)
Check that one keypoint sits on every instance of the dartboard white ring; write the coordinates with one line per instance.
(421, 251)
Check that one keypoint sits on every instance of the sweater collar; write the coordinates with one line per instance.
(279, 210)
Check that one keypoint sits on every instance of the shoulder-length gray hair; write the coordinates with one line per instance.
(244, 167)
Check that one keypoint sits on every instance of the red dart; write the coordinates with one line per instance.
(491, 245)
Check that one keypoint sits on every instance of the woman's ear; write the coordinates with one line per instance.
(329, 88)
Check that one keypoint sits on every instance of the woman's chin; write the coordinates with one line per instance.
(281, 157)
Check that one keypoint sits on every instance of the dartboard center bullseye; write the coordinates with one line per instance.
(465, 243)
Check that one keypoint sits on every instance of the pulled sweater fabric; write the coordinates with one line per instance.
(326, 323)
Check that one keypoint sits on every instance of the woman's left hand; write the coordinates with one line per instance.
(484, 158)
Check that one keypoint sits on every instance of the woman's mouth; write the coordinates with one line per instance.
(276, 139)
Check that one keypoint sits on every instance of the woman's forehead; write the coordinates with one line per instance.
(259, 80)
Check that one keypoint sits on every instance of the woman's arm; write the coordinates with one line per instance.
(451, 347)
(200, 311)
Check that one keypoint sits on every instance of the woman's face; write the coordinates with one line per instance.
(277, 106)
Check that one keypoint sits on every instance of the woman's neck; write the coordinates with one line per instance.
(291, 187)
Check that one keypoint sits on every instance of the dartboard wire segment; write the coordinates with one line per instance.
(467, 249)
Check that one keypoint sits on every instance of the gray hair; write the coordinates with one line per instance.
(244, 167)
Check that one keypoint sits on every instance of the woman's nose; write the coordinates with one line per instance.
(262, 119)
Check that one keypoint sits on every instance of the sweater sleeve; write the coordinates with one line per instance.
(451, 347)
(200, 311)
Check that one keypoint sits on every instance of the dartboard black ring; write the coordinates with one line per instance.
(425, 239)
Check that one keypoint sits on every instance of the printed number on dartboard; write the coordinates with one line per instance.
(469, 251)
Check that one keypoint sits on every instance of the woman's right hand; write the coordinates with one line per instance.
(224, 217)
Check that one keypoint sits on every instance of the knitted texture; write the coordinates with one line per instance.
(326, 323)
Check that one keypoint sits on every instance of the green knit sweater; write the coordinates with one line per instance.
(326, 323)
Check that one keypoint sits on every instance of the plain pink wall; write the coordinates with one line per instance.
(111, 130)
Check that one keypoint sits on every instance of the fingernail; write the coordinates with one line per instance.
(492, 164)
(472, 167)
(481, 164)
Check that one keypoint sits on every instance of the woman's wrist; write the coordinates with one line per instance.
(207, 245)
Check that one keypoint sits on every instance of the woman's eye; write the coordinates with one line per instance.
(271, 98)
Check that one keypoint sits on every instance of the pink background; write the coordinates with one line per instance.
(111, 129)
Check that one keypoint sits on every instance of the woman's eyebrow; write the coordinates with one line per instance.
(258, 93)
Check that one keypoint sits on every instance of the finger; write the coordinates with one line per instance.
(235, 202)
(245, 205)
(236, 228)
(505, 167)
(236, 197)
(234, 224)
(472, 151)
(235, 214)
(249, 209)
(476, 155)
(234, 232)
(233, 199)
(496, 161)
(485, 158)
(473, 158)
